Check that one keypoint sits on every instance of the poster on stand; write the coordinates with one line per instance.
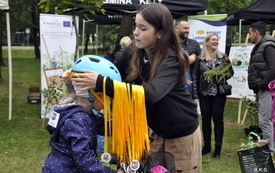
(239, 57)
(57, 45)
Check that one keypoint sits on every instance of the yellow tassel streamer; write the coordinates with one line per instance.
(126, 122)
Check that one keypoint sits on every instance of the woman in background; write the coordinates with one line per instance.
(211, 101)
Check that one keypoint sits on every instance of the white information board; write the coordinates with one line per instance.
(239, 57)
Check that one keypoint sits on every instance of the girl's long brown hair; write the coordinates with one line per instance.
(160, 17)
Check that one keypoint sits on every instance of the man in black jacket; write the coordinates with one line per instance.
(260, 72)
(190, 46)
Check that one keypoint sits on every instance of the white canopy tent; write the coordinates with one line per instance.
(4, 5)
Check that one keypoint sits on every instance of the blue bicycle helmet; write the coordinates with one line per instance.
(97, 64)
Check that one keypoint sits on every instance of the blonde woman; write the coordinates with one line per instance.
(124, 42)
(208, 94)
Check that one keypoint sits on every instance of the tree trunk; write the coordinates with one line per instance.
(35, 29)
(76, 35)
(93, 43)
(125, 28)
(1, 42)
(86, 44)
(1, 38)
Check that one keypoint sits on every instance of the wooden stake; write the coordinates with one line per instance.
(244, 116)
(240, 111)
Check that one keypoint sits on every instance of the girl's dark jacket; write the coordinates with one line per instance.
(171, 112)
(200, 85)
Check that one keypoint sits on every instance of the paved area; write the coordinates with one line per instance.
(30, 47)
(19, 47)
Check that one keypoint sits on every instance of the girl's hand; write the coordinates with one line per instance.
(67, 76)
(86, 79)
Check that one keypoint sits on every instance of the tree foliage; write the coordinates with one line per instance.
(20, 15)
(227, 6)
(21, 12)
(59, 6)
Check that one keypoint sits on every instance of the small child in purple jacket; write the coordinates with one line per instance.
(72, 126)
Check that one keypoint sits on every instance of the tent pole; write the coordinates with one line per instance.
(83, 36)
(240, 31)
(96, 39)
(10, 64)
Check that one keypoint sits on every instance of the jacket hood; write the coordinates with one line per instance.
(65, 111)
(266, 38)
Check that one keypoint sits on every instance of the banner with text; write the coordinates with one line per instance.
(202, 25)
(57, 45)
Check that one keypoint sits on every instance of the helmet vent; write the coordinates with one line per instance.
(113, 69)
(78, 61)
(94, 60)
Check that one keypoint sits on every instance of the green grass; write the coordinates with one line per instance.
(24, 144)
(233, 137)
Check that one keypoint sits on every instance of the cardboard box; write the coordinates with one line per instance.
(34, 96)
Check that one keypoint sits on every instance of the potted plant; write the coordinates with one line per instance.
(252, 111)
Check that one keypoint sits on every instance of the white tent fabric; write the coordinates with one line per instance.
(4, 5)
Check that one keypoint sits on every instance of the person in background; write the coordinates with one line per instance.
(73, 129)
(107, 54)
(211, 101)
(261, 71)
(122, 62)
(123, 56)
(100, 136)
(125, 41)
(158, 65)
(191, 46)
(115, 50)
